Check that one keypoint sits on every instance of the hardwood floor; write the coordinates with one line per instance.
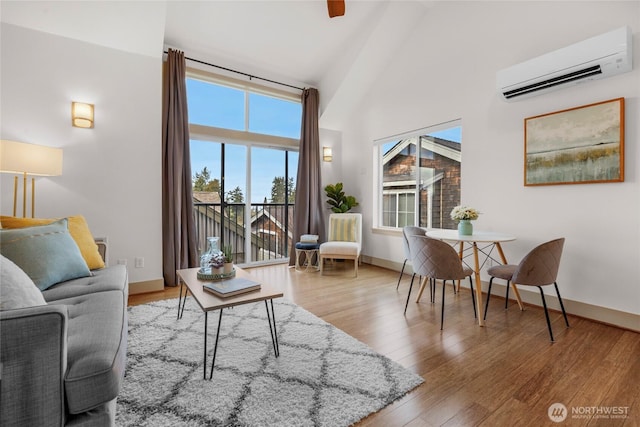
(504, 374)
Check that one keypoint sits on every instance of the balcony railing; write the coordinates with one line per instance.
(268, 228)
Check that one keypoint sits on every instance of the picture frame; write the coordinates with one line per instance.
(579, 145)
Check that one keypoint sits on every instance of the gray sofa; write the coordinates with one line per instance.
(63, 363)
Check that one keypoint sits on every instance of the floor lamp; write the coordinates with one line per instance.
(28, 159)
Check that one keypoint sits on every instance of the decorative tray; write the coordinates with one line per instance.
(215, 276)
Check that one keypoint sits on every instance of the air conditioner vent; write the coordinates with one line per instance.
(598, 57)
(576, 75)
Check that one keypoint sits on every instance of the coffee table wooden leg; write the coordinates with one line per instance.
(513, 285)
(215, 348)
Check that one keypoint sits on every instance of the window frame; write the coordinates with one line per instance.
(246, 138)
(213, 133)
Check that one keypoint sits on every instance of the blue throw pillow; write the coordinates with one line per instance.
(47, 253)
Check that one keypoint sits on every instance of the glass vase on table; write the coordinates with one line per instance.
(212, 260)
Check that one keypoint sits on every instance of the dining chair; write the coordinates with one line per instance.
(344, 240)
(407, 231)
(436, 260)
(538, 268)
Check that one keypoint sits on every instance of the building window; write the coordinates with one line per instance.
(419, 177)
(244, 159)
(398, 209)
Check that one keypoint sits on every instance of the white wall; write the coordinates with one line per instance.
(446, 70)
(111, 173)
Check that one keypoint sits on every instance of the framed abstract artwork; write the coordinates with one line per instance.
(576, 146)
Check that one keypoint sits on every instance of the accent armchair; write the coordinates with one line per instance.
(538, 268)
(344, 240)
(435, 260)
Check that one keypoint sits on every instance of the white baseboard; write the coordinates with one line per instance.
(146, 286)
(597, 313)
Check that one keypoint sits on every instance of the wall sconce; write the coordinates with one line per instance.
(82, 115)
(327, 155)
(28, 159)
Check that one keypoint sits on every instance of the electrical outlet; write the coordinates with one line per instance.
(122, 262)
(139, 262)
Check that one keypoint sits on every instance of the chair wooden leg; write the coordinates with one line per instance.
(423, 283)
(355, 266)
(564, 313)
(321, 265)
(401, 273)
(546, 313)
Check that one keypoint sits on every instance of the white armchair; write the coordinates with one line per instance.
(344, 240)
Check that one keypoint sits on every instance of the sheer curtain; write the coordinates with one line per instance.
(179, 248)
(308, 217)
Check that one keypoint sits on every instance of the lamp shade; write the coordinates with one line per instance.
(32, 159)
(82, 115)
(327, 154)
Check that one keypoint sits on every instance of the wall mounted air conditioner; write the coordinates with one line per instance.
(596, 58)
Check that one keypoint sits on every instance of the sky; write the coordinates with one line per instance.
(220, 106)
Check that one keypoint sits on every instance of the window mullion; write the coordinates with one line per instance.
(246, 111)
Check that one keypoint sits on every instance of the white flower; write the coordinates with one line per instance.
(464, 212)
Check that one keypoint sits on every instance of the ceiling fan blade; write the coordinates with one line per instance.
(336, 8)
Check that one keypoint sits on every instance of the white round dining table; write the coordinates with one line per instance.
(489, 237)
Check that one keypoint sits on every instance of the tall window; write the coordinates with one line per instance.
(419, 177)
(244, 159)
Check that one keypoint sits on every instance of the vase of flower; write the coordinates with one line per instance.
(465, 228)
(464, 215)
(212, 261)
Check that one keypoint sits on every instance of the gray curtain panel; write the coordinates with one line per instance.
(179, 248)
(308, 217)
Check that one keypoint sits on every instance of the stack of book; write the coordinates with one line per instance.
(309, 238)
(231, 287)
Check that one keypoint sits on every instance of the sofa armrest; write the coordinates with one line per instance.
(33, 356)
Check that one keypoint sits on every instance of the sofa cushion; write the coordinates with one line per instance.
(17, 290)
(47, 253)
(96, 348)
(113, 278)
(78, 228)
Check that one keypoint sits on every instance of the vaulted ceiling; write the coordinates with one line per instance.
(290, 41)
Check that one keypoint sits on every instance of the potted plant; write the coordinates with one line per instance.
(338, 201)
(216, 263)
(227, 250)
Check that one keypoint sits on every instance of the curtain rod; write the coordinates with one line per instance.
(240, 72)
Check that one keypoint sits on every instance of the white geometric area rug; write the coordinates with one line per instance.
(323, 377)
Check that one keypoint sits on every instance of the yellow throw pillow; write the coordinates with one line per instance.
(78, 228)
(342, 230)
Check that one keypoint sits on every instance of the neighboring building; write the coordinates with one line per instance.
(270, 228)
(439, 183)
